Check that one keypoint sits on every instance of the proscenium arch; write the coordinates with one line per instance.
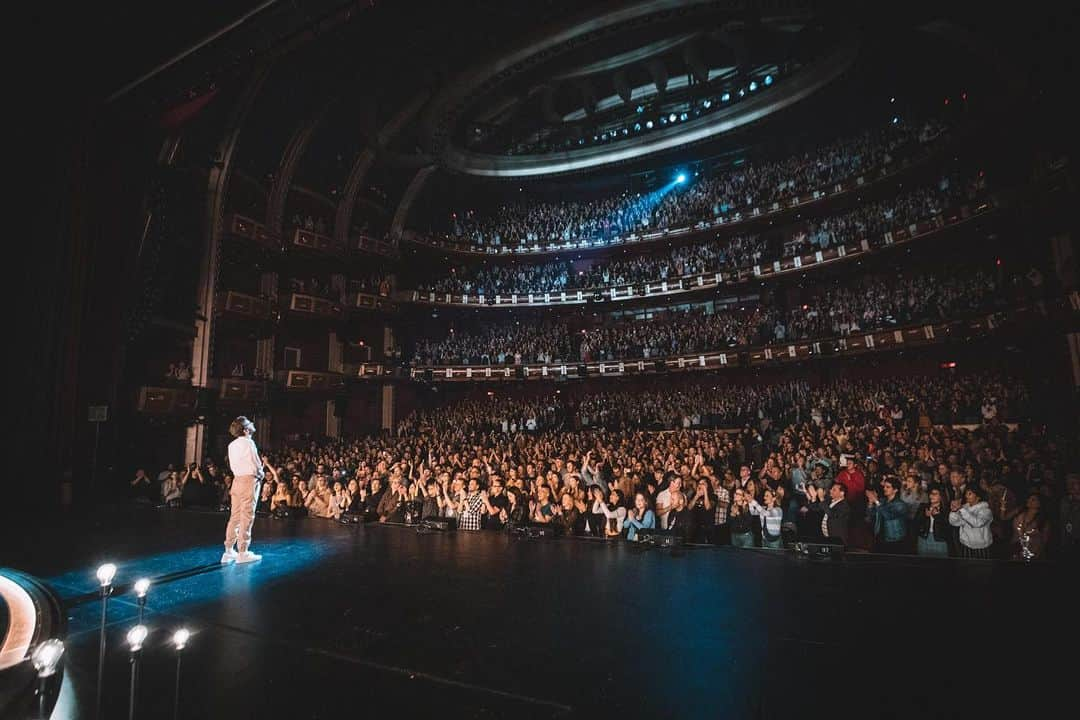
(216, 188)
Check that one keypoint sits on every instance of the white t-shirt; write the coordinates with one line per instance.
(663, 498)
(244, 457)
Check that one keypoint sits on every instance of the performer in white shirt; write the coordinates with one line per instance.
(247, 468)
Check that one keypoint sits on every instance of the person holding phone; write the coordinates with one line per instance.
(247, 466)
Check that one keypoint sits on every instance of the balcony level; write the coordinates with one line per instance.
(310, 380)
(246, 228)
(923, 230)
(1063, 312)
(312, 306)
(244, 306)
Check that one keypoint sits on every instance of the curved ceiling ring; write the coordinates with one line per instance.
(456, 95)
(629, 57)
(705, 127)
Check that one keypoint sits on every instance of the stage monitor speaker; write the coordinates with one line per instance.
(659, 538)
(519, 372)
(541, 531)
(582, 370)
(441, 524)
(819, 551)
(428, 375)
(659, 365)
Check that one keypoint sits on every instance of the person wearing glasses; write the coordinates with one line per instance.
(247, 466)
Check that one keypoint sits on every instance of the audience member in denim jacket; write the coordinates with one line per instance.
(888, 519)
(640, 517)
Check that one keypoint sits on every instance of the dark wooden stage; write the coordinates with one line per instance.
(338, 621)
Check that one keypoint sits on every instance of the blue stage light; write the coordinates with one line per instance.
(637, 127)
(683, 117)
(648, 124)
(725, 97)
(671, 117)
(640, 109)
(753, 85)
(707, 104)
(680, 178)
(768, 79)
(895, 120)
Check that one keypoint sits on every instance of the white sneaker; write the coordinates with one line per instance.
(246, 557)
(228, 556)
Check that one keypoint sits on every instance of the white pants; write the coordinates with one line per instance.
(243, 497)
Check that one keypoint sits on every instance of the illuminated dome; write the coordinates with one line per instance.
(630, 83)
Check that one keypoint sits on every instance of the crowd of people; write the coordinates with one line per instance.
(243, 371)
(870, 221)
(178, 373)
(704, 198)
(380, 283)
(876, 303)
(500, 344)
(874, 464)
(867, 303)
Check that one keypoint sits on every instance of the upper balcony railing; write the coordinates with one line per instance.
(311, 240)
(369, 301)
(310, 380)
(241, 390)
(712, 280)
(255, 231)
(243, 305)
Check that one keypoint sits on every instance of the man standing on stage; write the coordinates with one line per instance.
(248, 473)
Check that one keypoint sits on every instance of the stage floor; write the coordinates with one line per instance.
(340, 620)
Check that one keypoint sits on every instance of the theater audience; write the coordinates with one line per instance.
(972, 516)
(836, 516)
(574, 459)
(932, 529)
(705, 197)
(888, 518)
(771, 517)
(1031, 530)
(729, 254)
(868, 303)
(639, 517)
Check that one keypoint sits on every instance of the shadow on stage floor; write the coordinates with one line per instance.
(344, 619)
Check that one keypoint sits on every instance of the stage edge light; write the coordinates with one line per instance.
(46, 657)
(105, 574)
(180, 638)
